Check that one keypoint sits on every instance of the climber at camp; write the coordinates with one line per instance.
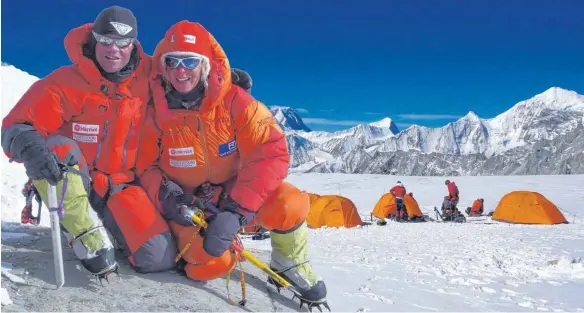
(452, 193)
(477, 208)
(209, 140)
(398, 191)
(78, 128)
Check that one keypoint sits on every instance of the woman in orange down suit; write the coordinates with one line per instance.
(208, 138)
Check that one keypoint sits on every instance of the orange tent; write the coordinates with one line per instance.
(527, 207)
(333, 211)
(386, 205)
(313, 197)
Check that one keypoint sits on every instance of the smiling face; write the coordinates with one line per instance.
(112, 58)
(183, 73)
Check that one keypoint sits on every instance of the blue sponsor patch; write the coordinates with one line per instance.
(227, 148)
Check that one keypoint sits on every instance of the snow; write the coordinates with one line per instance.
(6, 297)
(384, 123)
(478, 266)
(481, 265)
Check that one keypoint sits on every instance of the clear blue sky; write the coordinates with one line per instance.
(350, 61)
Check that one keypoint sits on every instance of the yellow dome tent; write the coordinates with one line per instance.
(386, 205)
(332, 211)
(527, 207)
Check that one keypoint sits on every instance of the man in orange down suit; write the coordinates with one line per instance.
(398, 191)
(477, 208)
(452, 194)
(78, 129)
(211, 140)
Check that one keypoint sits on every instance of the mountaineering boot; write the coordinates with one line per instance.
(81, 226)
(289, 260)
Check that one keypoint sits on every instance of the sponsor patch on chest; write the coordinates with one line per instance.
(88, 129)
(183, 163)
(181, 151)
(227, 148)
(84, 138)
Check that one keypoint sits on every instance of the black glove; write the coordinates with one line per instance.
(242, 79)
(172, 198)
(224, 226)
(39, 161)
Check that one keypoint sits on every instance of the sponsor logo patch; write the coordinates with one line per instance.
(227, 148)
(84, 138)
(85, 129)
(183, 163)
(181, 151)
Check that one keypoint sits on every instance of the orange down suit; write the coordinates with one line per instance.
(231, 139)
(104, 120)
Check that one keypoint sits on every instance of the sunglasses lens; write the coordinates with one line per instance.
(171, 62)
(121, 43)
(191, 63)
(188, 63)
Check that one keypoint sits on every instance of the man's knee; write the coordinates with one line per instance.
(156, 254)
(142, 231)
(285, 210)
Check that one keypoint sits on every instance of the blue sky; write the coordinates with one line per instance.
(345, 62)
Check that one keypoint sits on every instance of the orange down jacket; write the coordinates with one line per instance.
(231, 139)
(77, 102)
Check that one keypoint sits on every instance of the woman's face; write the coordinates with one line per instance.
(184, 73)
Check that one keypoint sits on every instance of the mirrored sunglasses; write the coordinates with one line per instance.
(119, 42)
(188, 62)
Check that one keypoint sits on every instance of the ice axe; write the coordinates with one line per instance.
(197, 217)
(53, 205)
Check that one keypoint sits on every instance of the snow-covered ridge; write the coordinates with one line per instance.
(545, 116)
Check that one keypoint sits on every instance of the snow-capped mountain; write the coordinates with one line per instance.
(545, 116)
(432, 151)
(562, 155)
(288, 119)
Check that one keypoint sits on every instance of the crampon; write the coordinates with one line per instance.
(105, 274)
(309, 303)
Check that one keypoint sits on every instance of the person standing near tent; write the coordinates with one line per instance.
(78, 129)
(398, 191)
(453, 194)
(208, 140)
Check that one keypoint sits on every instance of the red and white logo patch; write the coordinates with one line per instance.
(181, 151)
(85, 129)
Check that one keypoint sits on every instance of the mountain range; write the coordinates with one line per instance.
(540, 135)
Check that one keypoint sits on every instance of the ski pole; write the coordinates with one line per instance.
(192, 215)
(53, 205)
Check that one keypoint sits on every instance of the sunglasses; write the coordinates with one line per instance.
(188, 62)
(119, 42)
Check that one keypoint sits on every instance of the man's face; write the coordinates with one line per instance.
(110, 55)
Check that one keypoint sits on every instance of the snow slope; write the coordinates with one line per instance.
(478, 266)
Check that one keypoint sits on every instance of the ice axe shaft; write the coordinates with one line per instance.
(246, 254)
(53, 205)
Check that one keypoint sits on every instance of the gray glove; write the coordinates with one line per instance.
(39, 161)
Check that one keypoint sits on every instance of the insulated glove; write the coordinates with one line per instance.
(38, 160)
(224, 226)
(172, 198)
(242, 79)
